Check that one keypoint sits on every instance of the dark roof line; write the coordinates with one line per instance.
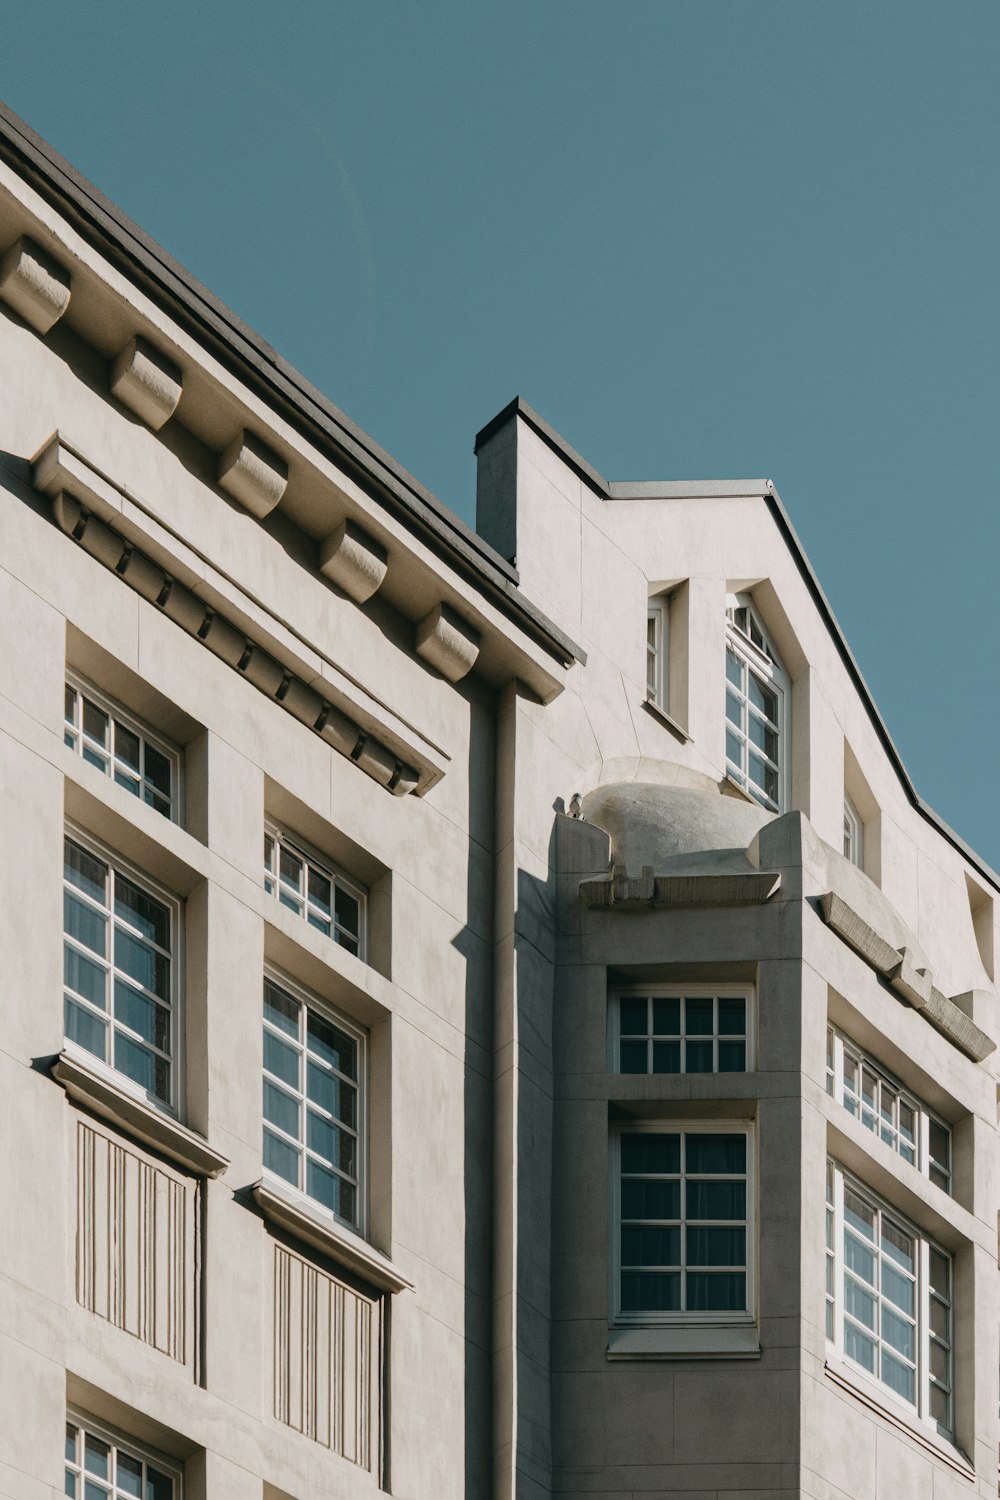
(256, 363)
(606, 491)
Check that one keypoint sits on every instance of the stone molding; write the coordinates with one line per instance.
(447, 642)
(245, 656)
(141, 1122)
(333, 1239)
(649, 892)
(354, 561)
(34, 285)
(147, 382)
(252, 473)
(914, 986)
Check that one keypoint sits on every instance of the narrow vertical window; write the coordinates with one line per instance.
(854, 835)
(657, 643)
(119, 969)
(757, 696)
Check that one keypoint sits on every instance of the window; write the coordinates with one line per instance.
(888, 1299)
(313, 1100)
(885, 1108)
(756, 709)
(108, 738)
(854, 835)
(695, 1029)
(657, 646)
(98, 1467)
(120, 969)
(320, 894)
(682, 1206)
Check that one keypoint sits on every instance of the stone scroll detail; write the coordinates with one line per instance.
(327, 1359)
(134, 1249)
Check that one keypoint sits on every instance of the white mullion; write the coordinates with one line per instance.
(922, 1306)
(839, 1261)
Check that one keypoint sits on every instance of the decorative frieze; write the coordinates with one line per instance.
(353, 560)
(134, 1243)
(147, 382)
(447, 642)
(253, 474)
(327, 1359)
(34, 284)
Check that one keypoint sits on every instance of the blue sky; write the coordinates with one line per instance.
(715, 238)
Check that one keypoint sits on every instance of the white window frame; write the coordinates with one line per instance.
(854, 834)
(888, 1094)
(311, 860)
(837, 1314)
(75, 739)
(728, 1317)
(651, 993)
(119, 1443)
(756, 658)
(119, 866)
(327, 1012)
(658, 651)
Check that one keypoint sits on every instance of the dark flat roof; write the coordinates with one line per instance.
(254, 362)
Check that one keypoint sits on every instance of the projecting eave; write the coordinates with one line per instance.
(616, 490)
(402, 501)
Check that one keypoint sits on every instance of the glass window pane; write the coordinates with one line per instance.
(939, 1140)
(84, 870)
(634, 1017)
(699, 1057)
(716, 1291)
(651, 1199)
(762, 697)
(142, 1015)
(657, 1152)
(734, 669)
(716, 1245)
(69, 702)
(716, 1153)
(149, 917)
(941, 1407)
(157, 770)
(667, 1016)
(319, 891)
(144, 1068)
(650, 1292)
(86, 1029)
(666, 1057)
(85, 924)
(281, 1109)
(940, 1363)
(716, 1200)
(281, 1010)
(84, 976)
(898, 1377)
(331, 1093)
(734, 709)
(331, 1143)
(281, 1158)
(127, 747)
(940, 1273)
(70, 1429)
(158, 1486)
(734, 749)
(128, 1475)
(281, 1060)
(732, 1057)
(649, 1245)
(142, 963)
(127, 780)
(698, 1015)
(899, 1333)
(859, 1347)
(70, 1486)
(330, 1190)
(897, 1288)
(634, 1057)
(289, 868)
(331, 1044)
(732, 1016)
(96, 1457)
(859, 1214)
(92, 1491)
(95, 723)
(860, 1303)
(897, 1244)
(940, 1319)
(859, 1258)
(348, 913)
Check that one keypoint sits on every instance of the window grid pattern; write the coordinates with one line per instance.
(891, 1299)
(682, 1032)
(854, 838)
(98, 1468)
(754, 707)
(683, 1200)
(118, 970)
(312, 1103)
(885, 1108)
(118, 746)
(318, 894)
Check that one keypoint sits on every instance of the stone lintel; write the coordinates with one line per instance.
(647, 892)
(34, 285)
(147, 382)
(447, 642)
(253, 474)
(353, 560)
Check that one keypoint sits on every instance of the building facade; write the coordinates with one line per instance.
(519, 1031)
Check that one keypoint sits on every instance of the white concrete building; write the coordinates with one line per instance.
(519, 1031)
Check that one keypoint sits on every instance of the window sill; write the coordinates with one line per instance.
(703, 1341)
(138, 1120)
(662, 717)
(288, 1212)
(877, 1399)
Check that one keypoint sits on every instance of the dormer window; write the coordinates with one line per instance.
(757, 699)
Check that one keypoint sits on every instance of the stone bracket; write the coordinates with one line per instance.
(34, 284)
(252, 474)
(447, 642)
(354, 561)
(913, 986)
(147, 382)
